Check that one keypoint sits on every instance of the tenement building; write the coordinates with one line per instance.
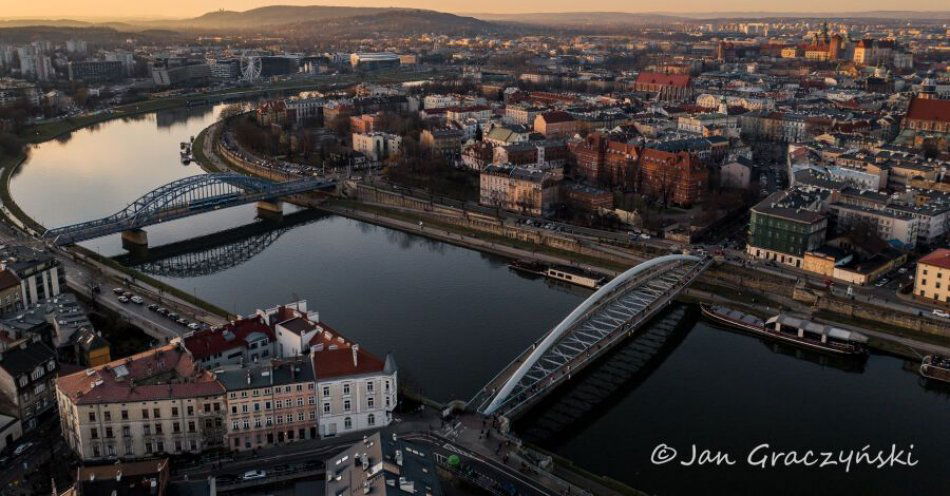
(158, 401)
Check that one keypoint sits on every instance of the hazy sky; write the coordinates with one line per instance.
(188, 8)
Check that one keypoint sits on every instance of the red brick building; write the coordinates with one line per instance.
(606, 161)
(928, 114)
(667, 87)
(673, 178)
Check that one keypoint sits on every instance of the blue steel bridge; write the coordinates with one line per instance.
(613, 313)
(183, 198)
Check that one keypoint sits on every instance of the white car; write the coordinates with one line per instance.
(254, 474)
(137, 300)
(123, 299)
(941, 313)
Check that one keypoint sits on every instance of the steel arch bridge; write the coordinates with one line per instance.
(604, 319)
(182, 198)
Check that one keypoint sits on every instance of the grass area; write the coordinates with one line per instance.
(8, 166)
(595, 262)
(198, 149)
(52, 129)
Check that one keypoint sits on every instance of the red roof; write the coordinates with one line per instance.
(939, 258)
(677, 80)
(929, 109)
(557, 116)
(204, 344)
(339, 362)
(160, 373)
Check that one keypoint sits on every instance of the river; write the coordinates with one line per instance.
(453, 317)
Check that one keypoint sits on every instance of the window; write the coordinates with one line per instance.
(257, 407)
(129, 447)
(299, 401)
(160, 446)
(299, 416)
(347, 423)
(191, 410)
(346, 389)
(193, 444)
(107, 415)
(174, 411)
(312, 400)
(177, 446)
(144, 413)
(95, 450)
(257, 422)
(369, 387)
(269, 421)
(371, 419)
(267, 405)
(158, 428)
(280, 419)
(191, 426)
(148, 447)
(326, 390)
(234, 409)
(156, 413)
(125, 415)
(247, 424)
(370, 402)
(92, 416)
(313, 415)
(126, 431)
(244, 408)
(326, 408)
(176, 427)
(279, 404)
(109, 432)
(147, 430)
(299, 387)
(346, 405)
(94, 433)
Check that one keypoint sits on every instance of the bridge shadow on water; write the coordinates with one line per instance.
(580, 402)
(217, 251)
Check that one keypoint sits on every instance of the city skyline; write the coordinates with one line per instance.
(115, 9)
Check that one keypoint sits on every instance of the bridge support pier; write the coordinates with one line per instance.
(135, 241)
(270, 210)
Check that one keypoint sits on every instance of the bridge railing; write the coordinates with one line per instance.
(480, 400)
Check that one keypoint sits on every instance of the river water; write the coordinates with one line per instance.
(453, 317)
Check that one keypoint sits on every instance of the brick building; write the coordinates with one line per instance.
(673, 178)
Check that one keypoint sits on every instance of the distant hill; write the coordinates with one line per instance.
(584, 19)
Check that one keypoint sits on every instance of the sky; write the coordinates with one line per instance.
(191, 8)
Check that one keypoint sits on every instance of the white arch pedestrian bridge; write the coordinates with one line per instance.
(607, 317)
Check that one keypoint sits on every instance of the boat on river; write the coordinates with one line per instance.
(561, 273)
(936, 367)
(793, 330)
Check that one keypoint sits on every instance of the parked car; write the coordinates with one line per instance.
(118, 291)
(941, 313)
(162, 311)
(153, 307)
(137, 300)
(123, 299)
(254, 474)
(22, 448)
(194, 326)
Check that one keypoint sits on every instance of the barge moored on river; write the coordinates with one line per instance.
(936, 367)
(562, 273)
(793, 330)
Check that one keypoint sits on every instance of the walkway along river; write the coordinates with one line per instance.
(454, 316)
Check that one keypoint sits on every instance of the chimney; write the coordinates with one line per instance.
(356, 349)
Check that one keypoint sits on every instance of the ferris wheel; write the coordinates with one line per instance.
(250, 67)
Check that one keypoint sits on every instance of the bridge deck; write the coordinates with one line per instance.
(617, 314)
(183, 198)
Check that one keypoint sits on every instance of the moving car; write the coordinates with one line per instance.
(254, 474)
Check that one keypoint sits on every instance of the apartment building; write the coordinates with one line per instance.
(518, 189)
(156, 402)
(932, 280)
(376, 145)
(27, 374)
(270, 404)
